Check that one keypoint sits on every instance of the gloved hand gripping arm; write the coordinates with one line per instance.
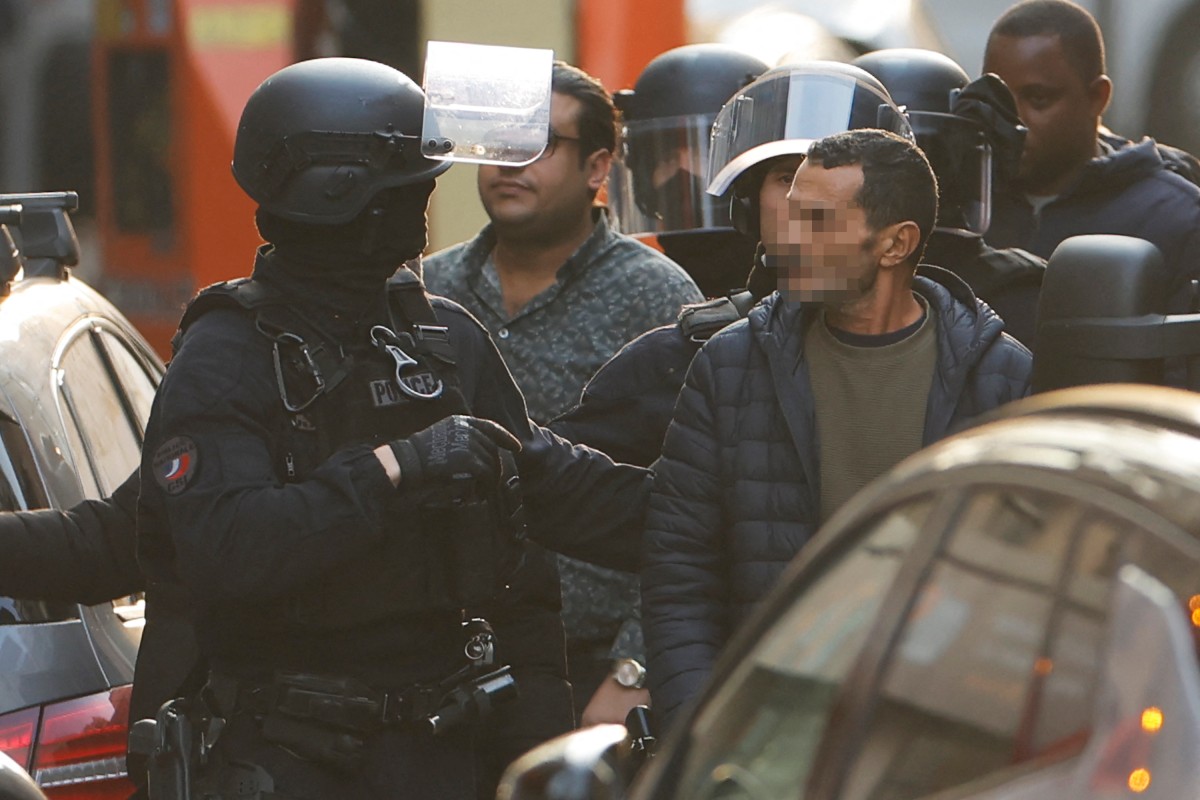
(457, 448)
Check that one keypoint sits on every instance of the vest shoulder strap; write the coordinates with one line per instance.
(700, 321)
(410, 311)
(244, 293)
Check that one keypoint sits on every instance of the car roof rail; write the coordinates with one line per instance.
(10, 258)
(45, 236)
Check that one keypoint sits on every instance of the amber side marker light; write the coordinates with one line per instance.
(1139, 780)
(1152, 720)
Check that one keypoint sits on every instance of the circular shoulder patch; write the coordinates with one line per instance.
(175, 464)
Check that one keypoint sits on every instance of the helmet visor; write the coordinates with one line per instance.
(788, 109)
(486, 104)
(961, 158)
(657, 184)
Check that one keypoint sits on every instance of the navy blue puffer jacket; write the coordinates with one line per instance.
(736, 490)
(1129, 191)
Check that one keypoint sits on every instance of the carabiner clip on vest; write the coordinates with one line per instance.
(389, 342)
(308, 364)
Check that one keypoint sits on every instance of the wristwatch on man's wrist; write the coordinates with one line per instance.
(629, 673)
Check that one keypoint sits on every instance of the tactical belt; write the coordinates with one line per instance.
(342, 702)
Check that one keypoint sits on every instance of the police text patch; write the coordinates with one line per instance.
(175, 464)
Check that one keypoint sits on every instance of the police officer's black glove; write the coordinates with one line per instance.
(457, 448)
(988, 102)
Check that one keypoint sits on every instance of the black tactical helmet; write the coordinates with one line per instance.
(926, 83)
(922, 80)
(317, 140)
(668, 117)
(693, 79)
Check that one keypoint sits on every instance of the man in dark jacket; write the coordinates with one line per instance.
(1072, 181)
(854, 364)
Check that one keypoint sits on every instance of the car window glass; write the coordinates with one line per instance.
(758, 735)
(20, 485)
(1002, 636)
(109, 440)
(1068, 673)
(78, 454)
(137, 381)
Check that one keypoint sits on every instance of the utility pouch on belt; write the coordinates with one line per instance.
(329, 747)
(321, 718)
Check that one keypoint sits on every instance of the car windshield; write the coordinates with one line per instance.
(758, 735)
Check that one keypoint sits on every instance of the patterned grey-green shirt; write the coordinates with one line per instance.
(611, 290)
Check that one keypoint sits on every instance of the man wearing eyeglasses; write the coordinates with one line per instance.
(561, 291)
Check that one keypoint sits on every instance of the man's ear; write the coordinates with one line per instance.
(897, 243)
(597, 166)
(1100, 93)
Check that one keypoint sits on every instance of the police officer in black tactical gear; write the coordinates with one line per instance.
(970, 132)
(328, 472)
(657, 182)
(627, 405)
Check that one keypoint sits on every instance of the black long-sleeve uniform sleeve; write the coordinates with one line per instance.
(579, 501)
(626, 406)
(85, 554)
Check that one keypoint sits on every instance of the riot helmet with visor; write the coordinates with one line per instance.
(657, 183)
(926, 84)
(781, 113)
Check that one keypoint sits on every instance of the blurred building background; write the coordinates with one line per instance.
(134, 103)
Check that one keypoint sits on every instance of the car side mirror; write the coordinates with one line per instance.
(595, 763)
(1094, 286)
(1102, 317)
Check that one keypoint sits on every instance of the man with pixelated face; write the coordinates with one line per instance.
(855, 363)
(832, 250)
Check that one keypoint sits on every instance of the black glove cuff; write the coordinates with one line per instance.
(409, 461)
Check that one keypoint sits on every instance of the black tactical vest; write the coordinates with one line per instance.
(439, 552)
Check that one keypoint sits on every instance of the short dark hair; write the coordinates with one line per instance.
(597, 116)
(1082, 41)
(898, 183)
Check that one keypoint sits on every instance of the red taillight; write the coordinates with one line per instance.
(16, 734)
(80, 751)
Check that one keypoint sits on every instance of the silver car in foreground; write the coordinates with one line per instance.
(1011, 614)
(76, 383)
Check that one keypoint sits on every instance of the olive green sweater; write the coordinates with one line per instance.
(870, 406)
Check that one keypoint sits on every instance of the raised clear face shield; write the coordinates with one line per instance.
(657, 184)
(961, 158)
(486, 104)
(789, 108)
